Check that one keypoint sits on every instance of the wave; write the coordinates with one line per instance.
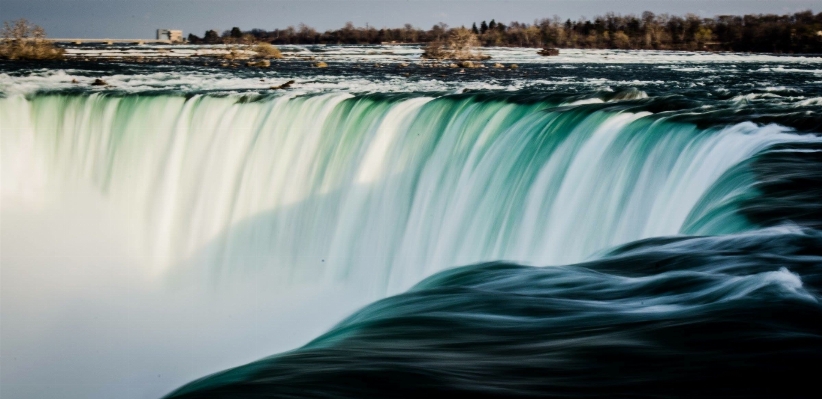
(734, 316)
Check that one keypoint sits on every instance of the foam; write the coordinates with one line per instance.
(601, 70)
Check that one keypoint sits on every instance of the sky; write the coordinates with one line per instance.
(136, 19)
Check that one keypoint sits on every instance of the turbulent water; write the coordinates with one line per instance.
(704, 317)
(203, 217)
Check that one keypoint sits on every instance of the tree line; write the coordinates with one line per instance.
(795, 33)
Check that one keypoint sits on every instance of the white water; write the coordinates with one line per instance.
(411, 53)
(381, 191)
(147, 235)
(593, 70)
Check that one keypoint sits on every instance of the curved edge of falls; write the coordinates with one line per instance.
(382, 190)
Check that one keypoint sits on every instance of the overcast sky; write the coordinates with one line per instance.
(140, 18)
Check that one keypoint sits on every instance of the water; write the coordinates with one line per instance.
(186, 219)
(666, 318)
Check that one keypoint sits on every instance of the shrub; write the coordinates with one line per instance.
(459, 45)
(267, 51)
(22, 41)
(435, 51)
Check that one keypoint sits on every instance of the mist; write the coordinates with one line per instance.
(84, 316)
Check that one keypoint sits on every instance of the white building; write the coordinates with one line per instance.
(170, 34)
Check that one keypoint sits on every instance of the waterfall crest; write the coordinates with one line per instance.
(382, 189)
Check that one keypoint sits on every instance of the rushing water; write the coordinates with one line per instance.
(189, 213)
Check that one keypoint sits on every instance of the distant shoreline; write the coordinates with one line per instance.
(797, 33)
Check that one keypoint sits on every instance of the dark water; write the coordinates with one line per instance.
(736, 316)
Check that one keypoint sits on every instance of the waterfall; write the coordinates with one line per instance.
(383, 189)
